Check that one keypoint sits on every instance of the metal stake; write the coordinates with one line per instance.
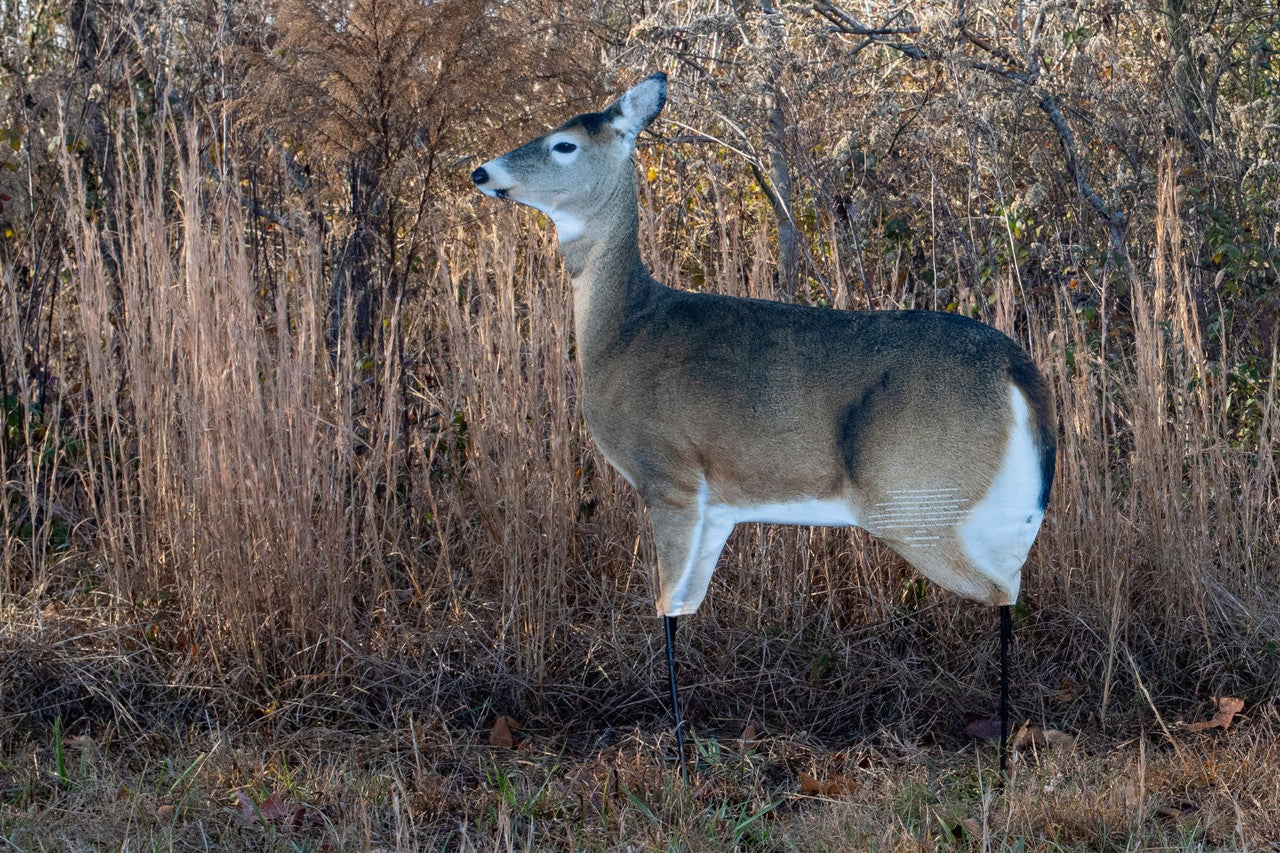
(1006, 633)
(675, 699)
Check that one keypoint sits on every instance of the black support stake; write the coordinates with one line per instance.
(1006, 633)
(675, 699)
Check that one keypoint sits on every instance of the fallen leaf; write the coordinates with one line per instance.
(1228, 707)
(832, 787)
(1130, 795)
(277, 810)
(1030, 735)
(1021, 737)
(1176, 813)
(1068, 690)
(505, 733)
(983, 728)
(248, 811)
(80, 742)
(967, 828)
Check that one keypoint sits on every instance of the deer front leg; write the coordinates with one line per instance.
(689, 538)
(689, 535)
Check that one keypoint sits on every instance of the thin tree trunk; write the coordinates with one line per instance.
(776, 144)
(352, 274)
(1188, 82)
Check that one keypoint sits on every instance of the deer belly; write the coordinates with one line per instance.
(815, 512)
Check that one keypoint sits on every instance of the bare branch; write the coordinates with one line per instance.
(843, 22)
(1008, 73)
(781, 210)
(987, 46)
(1113, 219)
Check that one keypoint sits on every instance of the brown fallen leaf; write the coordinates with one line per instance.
(967, 828)
(277, 810)
(1228, 707)
(1030, 735)
(505, 733)
(832, 787)
(1068, 690)
(1176, 813)
(1020, 737)
(80, 742)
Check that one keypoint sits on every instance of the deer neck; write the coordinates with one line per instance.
(610, 281)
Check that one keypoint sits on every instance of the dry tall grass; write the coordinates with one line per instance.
(255, 541)
(261, 508)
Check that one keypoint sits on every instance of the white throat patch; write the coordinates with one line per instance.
(568, 226)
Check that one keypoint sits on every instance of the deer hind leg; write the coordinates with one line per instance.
(689, 536)
(971, 528)
(1002, 526)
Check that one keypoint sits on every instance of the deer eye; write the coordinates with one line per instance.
(564, 147)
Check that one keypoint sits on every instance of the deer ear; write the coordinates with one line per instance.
(638, 106)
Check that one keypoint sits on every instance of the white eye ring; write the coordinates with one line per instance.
(564, 147)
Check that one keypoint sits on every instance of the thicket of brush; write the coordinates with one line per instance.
(291, 412)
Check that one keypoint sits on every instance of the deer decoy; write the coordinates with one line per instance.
(929, 430)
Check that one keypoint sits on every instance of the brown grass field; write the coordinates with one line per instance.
(298, 510)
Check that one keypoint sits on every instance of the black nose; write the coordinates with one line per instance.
(480, 176)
